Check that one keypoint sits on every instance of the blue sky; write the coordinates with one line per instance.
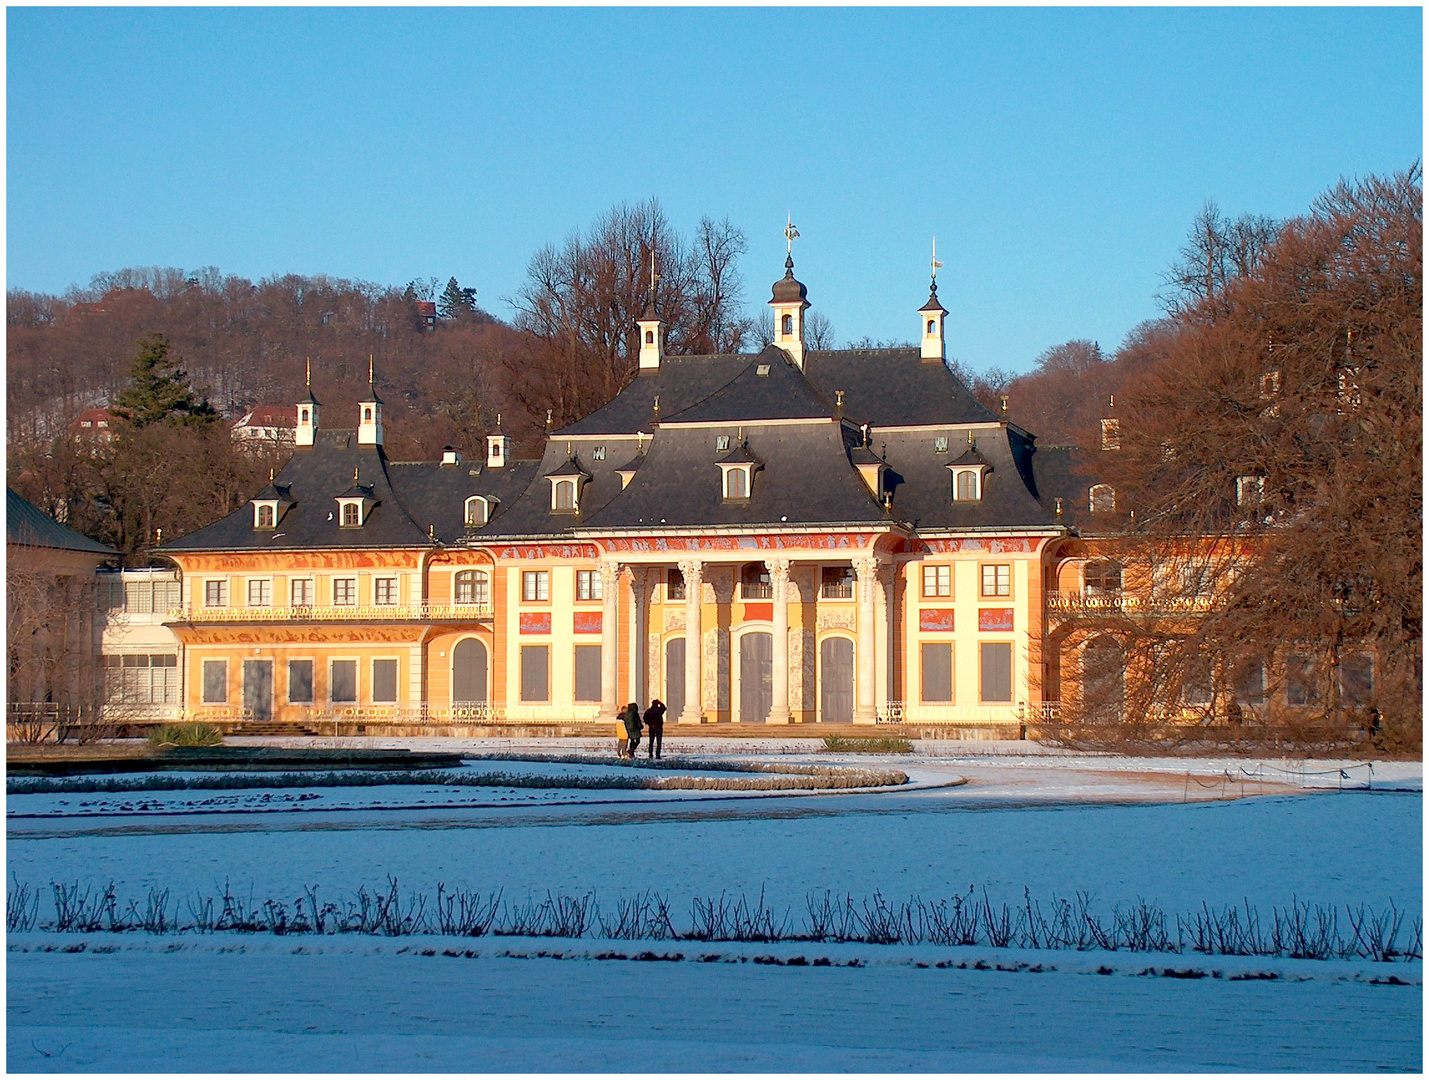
(1057, 154)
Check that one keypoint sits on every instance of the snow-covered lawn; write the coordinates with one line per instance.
(1055, 824)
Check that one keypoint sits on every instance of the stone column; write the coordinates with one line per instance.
(609, 639)
(866, 569)
(694, 645)
(779, 682)
(638, 690)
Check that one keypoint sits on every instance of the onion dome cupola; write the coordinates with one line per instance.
(931, 316)
(790, 300)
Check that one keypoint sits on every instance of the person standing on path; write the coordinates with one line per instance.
(655, 721)
(632, 727)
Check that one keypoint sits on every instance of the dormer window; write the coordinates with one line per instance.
(565, 495)
(351, 513)
(598, 454)
(271, 504)
(736, 482)
(1249, 490)
(478, 511)
(1102, 499)
(1270, 384)
(737, 470)
(967, 485)
(265, 515)
(940, 444)
(1111, 434)
(721, 443)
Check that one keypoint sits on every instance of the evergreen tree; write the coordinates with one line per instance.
(456, 301)
(159, 389)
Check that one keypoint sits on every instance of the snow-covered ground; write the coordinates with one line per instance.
(1057, 824)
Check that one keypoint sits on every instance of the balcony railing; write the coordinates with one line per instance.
(422, 612)
(1122, 602)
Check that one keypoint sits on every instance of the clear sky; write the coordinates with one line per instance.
(1058, 155)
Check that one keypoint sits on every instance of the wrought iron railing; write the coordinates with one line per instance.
(1119, 602)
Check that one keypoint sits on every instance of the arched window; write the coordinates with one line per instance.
(566, 495)
(477, 510)
(967, 486)
(351, 514)
(649, 337)
(738, 484)
(788, 325)
(473, 587)
(932, 326)
(754, 583)
(305, 416)
(265, 517)
(1103, 499)
(367, 414)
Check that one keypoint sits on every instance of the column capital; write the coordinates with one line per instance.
(778, 570)
(865, 566)
(691, 568)
(609, 571)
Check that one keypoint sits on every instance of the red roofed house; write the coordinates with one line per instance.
(274, 424)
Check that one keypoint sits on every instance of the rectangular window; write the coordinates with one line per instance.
(300, 682)
(836, 583)
(385, 590)
(1196, 687)
(996, 669)
(1301, 681)
(937, 581)
(384, 680)
(1249, 683)
(937, 671)
(260, 592)
(1357, 679)
(588, 585)
(139, 597)
(215, 593)
(675, 585)
(997, 580)
(344, 591)
(343, 681)
(535, 673)
(587, 672)
(167, 594)
(535, 586)
(215, 681)
(302, 592)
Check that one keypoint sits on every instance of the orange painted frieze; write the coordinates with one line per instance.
(283, 561)
(757, 542)
(196, 634)
(546, 551)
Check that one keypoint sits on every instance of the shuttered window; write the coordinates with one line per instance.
(535, 673)
(300, 682)
(215, 681)
(937, 669)
(996, 665)
(344, 680)
(384, 680)
(587, 672)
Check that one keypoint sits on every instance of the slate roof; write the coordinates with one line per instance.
(26, 525)
(679, 382)
(781, 393)
(894, 388)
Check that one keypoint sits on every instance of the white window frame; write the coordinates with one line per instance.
(1249, 490)
(218, 585)
(386, 583)
(346, 582)
(1097, 491)
(355, 505)
(589, 585)
(305, 585)
(260, 592)
(477, 511)
(1001, 580)
(942, 580)
(974, 477)
(535, 586)
(480, 587)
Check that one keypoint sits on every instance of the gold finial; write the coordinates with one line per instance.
(548, 419)
(310, 372)
(1004, 404)
(370, 377)
(970, 438)
(657, 404)
(839, 399)
(654, 277)
(1059, 507)
(431, 532)
(270, 475)
(354, 476)
(936, 264)
(498, 421)
(1111, 401)
(159, 535)
(568, 450)
(789, 234)
(741, 434)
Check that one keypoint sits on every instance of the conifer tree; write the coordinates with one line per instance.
(456, 301)
(159, 389)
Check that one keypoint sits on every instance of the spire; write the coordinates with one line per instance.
(931, 316)
(652, 331)
(369, 411)
(790, 299)
(307, 426)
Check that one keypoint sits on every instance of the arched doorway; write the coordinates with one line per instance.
(675, 677)
(468, 672)
(756, 677)
(836, 680)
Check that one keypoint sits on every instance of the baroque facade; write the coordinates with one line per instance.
(795, 536)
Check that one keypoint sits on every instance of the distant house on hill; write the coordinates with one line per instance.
(427, 314)
(93, 425)
(268, 425)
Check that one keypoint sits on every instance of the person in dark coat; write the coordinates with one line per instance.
(655, 721)
(632, 727)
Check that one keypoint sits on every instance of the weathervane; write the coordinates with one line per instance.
(310, 372)
(936, 264)
(789, 233)
(654, 277)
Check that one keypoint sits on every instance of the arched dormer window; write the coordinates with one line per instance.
(472, 587)
(1102, 499)
(565, 495)
(478, 511)
(265, 515)
(968, 485)
(351, 514)
(736, 484)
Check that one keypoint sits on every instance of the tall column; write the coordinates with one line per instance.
(694, 584)
(638, 644)
(866, 569)
(779, 681)
(609, 639)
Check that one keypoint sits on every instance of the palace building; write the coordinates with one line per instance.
(797, 536)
